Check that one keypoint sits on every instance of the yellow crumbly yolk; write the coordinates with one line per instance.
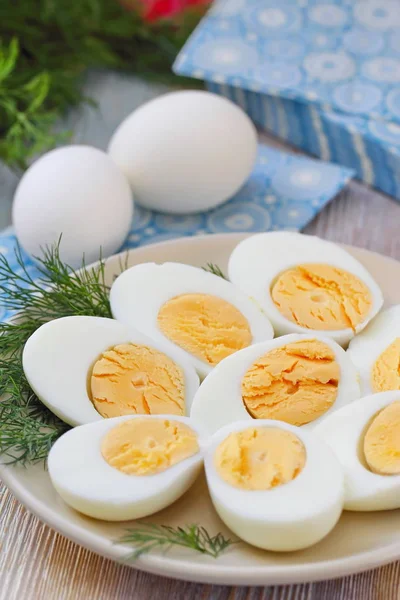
(132, 379)
(385, 374)
(148, 446)
(260, 459)
(382, 441)
(206, 326)
(296, 383)
(318, 296)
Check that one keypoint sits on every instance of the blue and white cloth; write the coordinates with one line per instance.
(323, 75)
(343, 55)
(369, 146)
(284, 191)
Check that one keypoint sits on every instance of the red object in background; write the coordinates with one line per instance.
(161, 9)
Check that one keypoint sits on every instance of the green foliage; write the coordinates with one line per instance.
(215, 270)
(27, 428)
(46, 48)
(146, 537)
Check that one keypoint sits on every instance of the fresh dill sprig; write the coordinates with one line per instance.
(148, 536)
(215, 270)
(27, 428)
(58, 291)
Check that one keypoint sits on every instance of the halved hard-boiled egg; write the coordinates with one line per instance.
(296, 378)
(375, 353)
(276, 486)
(306, 284)
(201, 315)
(365, 436)
(86, 368)
(126, 467)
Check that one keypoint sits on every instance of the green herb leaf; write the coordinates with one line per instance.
(27, 428)
(215, 270)
(8, 58)
(48, 46)
(146, 537)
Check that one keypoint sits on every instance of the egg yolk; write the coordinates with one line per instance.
(318, 296)
(148, 446)
(296, 383)
(208, 327)
(260, 459)
(385, 374)
(382, 441)
(133, 379)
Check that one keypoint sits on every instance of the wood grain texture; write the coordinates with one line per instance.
(38, 564)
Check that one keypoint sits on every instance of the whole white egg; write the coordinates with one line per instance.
(304, 500)
(305, 284)
(297, 378)
(88, 368)
(365, 436)
(133, 477)
(77, 192)
(197, 314)
(186, 151)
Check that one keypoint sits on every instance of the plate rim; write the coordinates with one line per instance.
(205, 571)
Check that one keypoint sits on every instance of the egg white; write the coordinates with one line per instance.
(343, 431)
(180, 151)
(58, 358)
(288, 517)
(138, 294)
(87, 483)
(367, 346)
(218, 401)
(257, 261)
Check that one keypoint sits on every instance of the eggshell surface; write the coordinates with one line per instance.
(186, 151)
(76, 192)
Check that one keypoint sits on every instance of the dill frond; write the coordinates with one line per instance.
(27, 428)
(146, 537)
(215, 270)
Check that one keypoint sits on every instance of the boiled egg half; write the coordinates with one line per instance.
(297, 378)
(126, 467)
(202, 316)
(376, 353)
(86, 368)
(276, 486)
(365, 436)
(306, 284)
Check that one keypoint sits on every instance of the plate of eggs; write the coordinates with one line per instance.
(263, 404)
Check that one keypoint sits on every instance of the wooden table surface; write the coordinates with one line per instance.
(38, 564)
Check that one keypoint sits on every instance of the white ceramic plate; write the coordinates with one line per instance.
(360, 541)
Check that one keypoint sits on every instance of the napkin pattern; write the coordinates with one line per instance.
(341, 54)
(284, 191)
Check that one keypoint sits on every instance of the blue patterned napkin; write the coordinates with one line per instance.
(285, 191)
(341, 54)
